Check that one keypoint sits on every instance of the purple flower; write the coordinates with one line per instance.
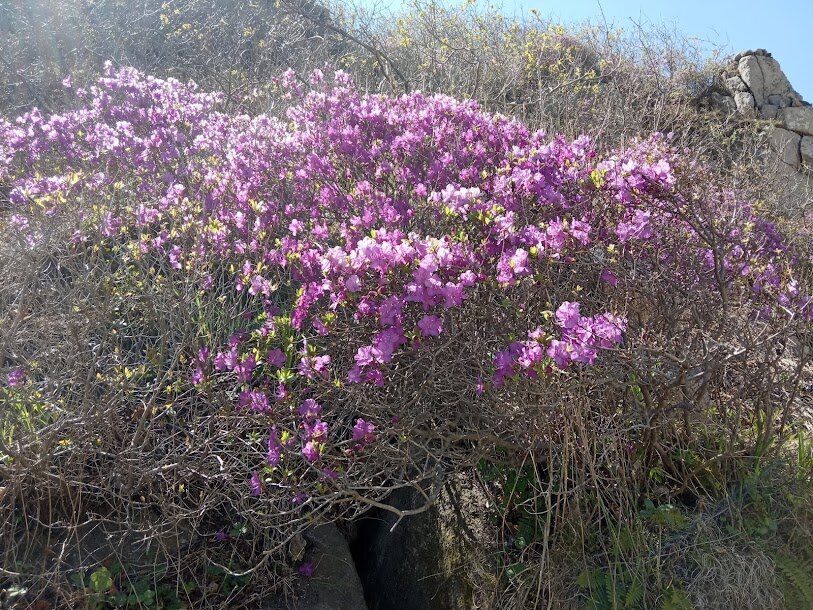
(558, 350)
(430, 326)
(306, 569)
(609, 277)
(568, 316)
(315, 431)
(255, 484)
(254, 400)
(274, 454)
(16, 377)
(300, 498)
(638, 227)
(363, 431)
(276, 358)
(245, 368)
(313, 366)
(309, 409)
(311, 451)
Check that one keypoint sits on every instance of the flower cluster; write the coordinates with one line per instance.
(381, 212)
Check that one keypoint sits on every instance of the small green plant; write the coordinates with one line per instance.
(111, 588)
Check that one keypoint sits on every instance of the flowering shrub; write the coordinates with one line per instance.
(377, 248)
(372, 212)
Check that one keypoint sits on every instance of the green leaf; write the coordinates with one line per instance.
(101, 580)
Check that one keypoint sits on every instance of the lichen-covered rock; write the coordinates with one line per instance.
(780, 101)
(734, 83)
(786, 143)
(744, 102)
(429, 561)
(334, 583)
(724, 103)
(806, 149)
(763, 76)
(768, 111)
(798, 119)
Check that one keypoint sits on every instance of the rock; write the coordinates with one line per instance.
(806, 149)
(734, 83)
(798, 119)
(796, 99)
(763, 76)
(723, 103)
(744, 102)
(786, 143)
(768, 111)
(334, 584)
(780, 101)
(430, 561)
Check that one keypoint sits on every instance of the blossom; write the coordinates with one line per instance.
(16, 377)
(256, 484)
(254, 400)
(430, 326)
(245, 367)
(311, 451)
(609, 277)
(363, 431)
(314, 366)
(567, 315)
(309, 409)
(276, 357)
(274, 454)
(306, 569)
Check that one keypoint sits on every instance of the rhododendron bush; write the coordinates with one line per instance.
(369, 291)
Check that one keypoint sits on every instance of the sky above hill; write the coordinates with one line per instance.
(783, 27)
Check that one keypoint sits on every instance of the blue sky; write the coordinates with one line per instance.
(783, 27)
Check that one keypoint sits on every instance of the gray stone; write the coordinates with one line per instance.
(798, 119)
(780, 101)
(723, 103)
(334, 585)
(763, 76)
(744, 102)
(796, 99)
(734, 83)
(430, 560)
(786, 143)
(806, 148)
(768, 111)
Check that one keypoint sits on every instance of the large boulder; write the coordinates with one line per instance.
(806, 149)
(333, 583)
(763, 77)
(798, 119)
(435, 560)
(786, 144)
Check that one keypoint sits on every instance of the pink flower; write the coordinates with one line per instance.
(16, 377)
(568, 316)
(310, 409)
(311, 451)
(255, 484)
(276, 358)
(363, 431)
(430, 326)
